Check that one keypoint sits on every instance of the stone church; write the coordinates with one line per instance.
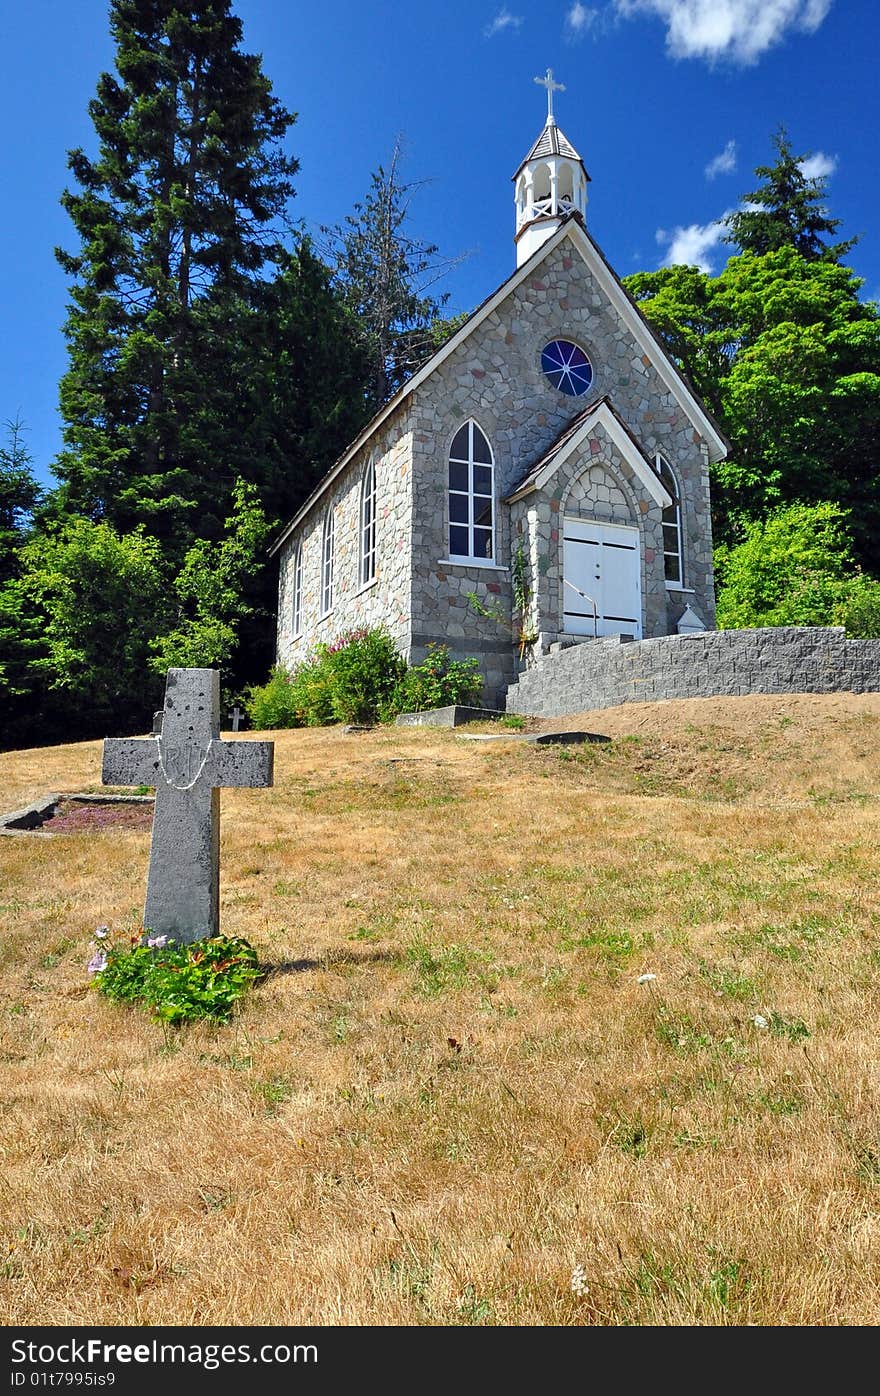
(542, 479)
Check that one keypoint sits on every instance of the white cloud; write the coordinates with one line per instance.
(725, 163)
(503, 20)
(579, 20)
(819, 166)
(737, 30)
(691, 246)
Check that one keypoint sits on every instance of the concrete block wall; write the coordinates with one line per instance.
(787, 659)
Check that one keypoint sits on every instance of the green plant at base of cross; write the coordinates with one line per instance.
(178, 983)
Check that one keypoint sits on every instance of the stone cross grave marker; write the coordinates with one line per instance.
(187, 763)
(235, 717)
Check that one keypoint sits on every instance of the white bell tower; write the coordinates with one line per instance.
(550, 183)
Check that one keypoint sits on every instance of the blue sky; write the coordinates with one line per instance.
(671, 103)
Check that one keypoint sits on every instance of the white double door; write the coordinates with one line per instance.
(601, 579)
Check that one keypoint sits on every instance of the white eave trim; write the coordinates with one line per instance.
(604, 417)
(631, 317)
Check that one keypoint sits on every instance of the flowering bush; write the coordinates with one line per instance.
(177, 983)
(360, 677)
(348, 680)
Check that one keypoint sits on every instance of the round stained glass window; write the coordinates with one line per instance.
(567, 367)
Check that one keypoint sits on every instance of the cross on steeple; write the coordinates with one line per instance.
(551, 86)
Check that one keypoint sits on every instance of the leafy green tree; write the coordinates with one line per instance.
(682, 305)
(386, 274)
(788, 357)
(177, 219)
(89, 601)
(786, 210)
(796, 567)
(211, 590)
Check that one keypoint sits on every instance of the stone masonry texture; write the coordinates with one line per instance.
(604, 673)
(494, 377)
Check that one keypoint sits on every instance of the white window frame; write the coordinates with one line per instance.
(470, 557)
(661, 464)
(296, 599)
(327, 561)
(367, 559)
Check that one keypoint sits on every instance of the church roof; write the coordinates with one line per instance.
(558, 444)
(551, 142)
(571, 226)
(603, 413)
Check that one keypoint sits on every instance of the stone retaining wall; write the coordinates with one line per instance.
(790, 659)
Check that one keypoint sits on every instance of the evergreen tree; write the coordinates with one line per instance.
(386, 275)
(19, 495)
(177, 219)
(787, 210)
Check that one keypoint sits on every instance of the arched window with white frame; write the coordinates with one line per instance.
(327, 564)
(368, 524)
(471, 496)
(673, 559)
(296, 573)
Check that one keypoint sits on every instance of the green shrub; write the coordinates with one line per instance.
(361, 678)
(275, 704)
(796, 567)
(177, 983)
(365, 668)
(437, 682)
(858, 608)
(349, 680)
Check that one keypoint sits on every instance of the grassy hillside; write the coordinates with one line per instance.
(453, 1090)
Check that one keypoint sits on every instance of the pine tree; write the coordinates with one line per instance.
(19, 495)
(177, 218)
(787, 210)
(386, 275)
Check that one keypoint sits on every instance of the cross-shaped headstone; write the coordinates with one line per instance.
(187, 763)
(235, 717)
(551, 86)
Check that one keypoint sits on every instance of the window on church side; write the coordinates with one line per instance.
(471, 496)
(672, 552)
(297, 588)
(566, 367)
(327, 565)
(368, 523)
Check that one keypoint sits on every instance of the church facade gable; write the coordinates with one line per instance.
(549, 443)
(495, 378)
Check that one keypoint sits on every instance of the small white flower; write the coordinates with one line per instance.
(156, 942)
(102, 932)
(579, 1284)
(646, 978)
(760, 1021)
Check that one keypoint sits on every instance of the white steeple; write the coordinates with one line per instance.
(550, 183)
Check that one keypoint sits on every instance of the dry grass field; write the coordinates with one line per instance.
(456, 1088)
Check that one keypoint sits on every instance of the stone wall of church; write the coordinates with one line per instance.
(604, 673)
(495, 377)
(384, 601)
